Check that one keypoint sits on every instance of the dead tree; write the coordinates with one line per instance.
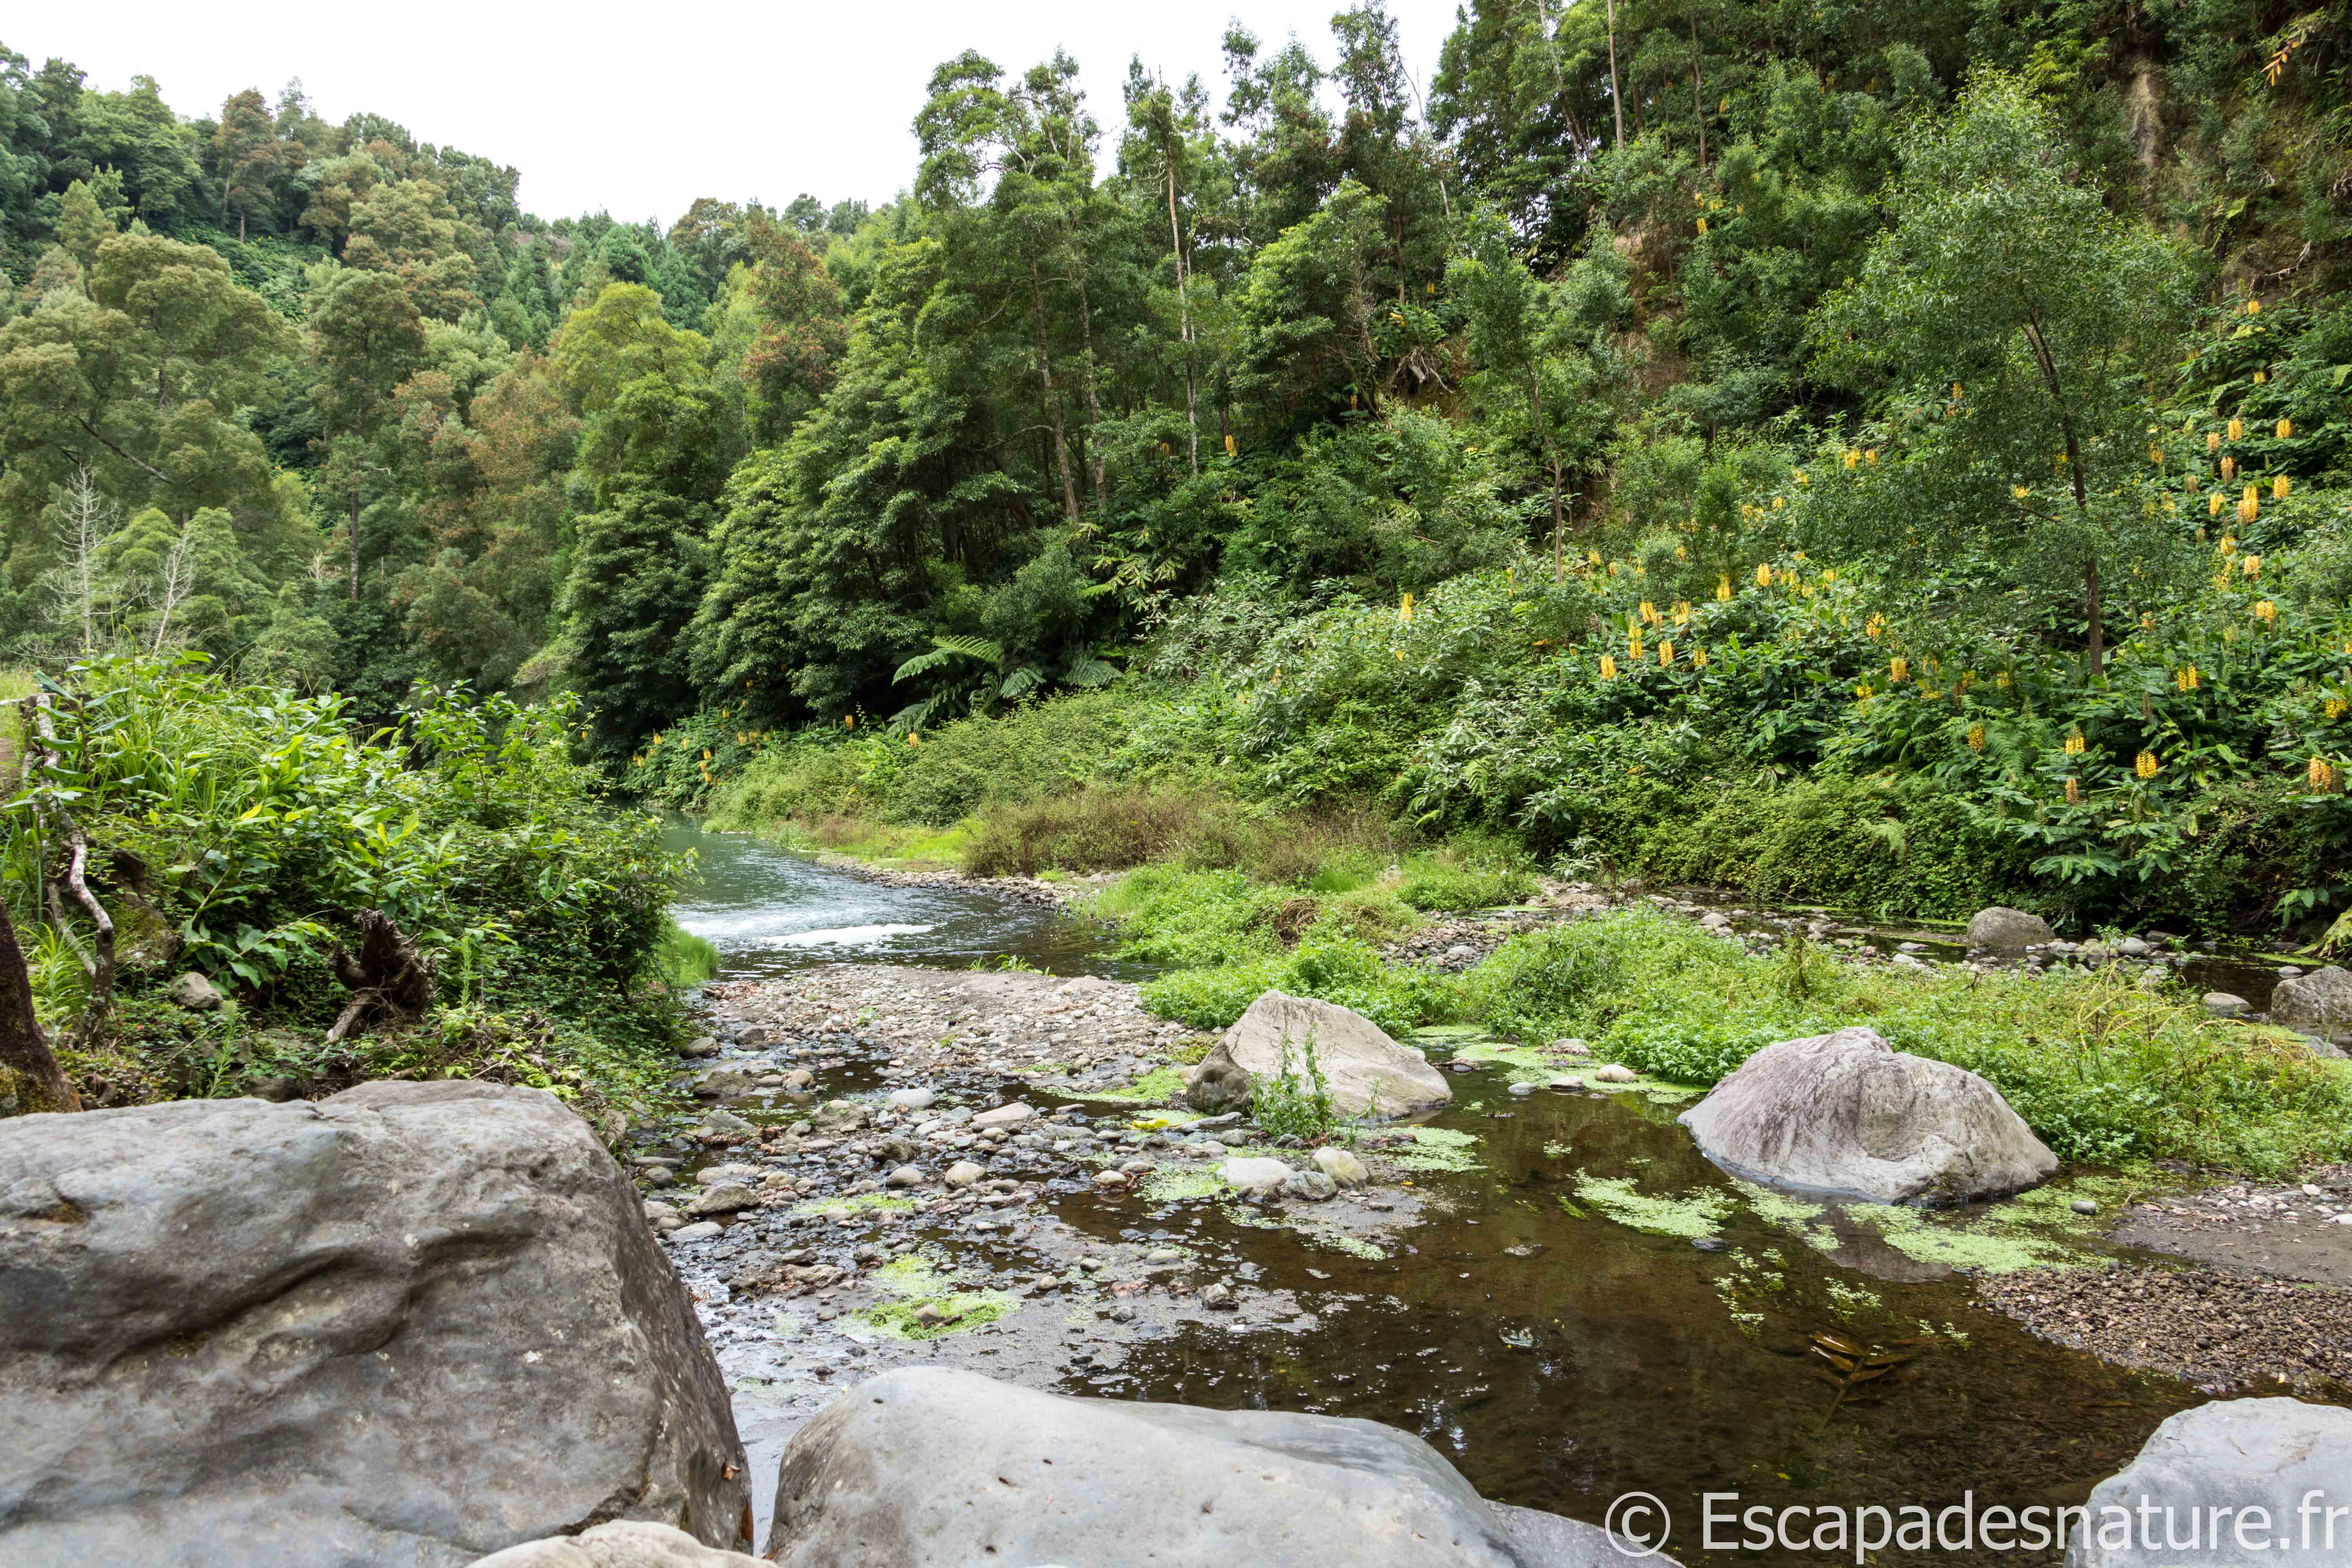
(30, 1079)
(390, 981)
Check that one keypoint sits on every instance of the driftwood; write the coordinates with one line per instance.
(390, 981)
(30, 1079)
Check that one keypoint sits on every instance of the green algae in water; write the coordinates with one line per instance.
(1435, 1149)
(1170, 1184)
(914, 1284)
(1793, 1215)
(1691, 1216)
(855, 1203)
(1154, 1088)
(2033, 1230)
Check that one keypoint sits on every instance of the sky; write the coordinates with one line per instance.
(640, 109)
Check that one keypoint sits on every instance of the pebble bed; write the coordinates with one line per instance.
(2224, 1333)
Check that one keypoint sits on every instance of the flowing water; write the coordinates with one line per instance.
(1591, 1308)
(769, 911)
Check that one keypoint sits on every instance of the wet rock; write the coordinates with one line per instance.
(1219, 1297)
(1218, 1085)
(1615, 1072)
(1254, 1175)
(729, 1197)
(1522, 1088)
(799, 1080)
(1342, 1166)
(1312, 1186)
(462, 1263)
(1011, 1115)
(2222, 1005)
(1565, 1085)
(724, 1121)
(933, 1465)
(700, 1230)
(2318, 1004)
(1569, 1048)
(2085, 1206)
(1843, 1113)
(2239, 1453)
(913, 1099)
(628, 1544)
(2004, 929)
(1112, 1180)
(906, 1177)
(1367, 1072)
(701, 1045)
(963, 1174)
(2133, 947)
(194, 993)
(1716, 920)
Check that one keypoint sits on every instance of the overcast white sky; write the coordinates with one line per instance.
(640, 109)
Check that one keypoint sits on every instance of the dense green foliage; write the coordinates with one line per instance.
(1896, 460)
(240, 831)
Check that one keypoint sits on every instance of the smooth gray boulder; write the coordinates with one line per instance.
(2232, 1455)
(935, 1468)
(1846, 1115)
(2004, 929)
(628, 1544)
(2318, 1004)
(1367, 1073)
(413, 1323)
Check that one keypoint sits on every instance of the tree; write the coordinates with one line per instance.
(247, 158)
(367, 337)
(143, 379)
(2007, 297)
(31, 1081)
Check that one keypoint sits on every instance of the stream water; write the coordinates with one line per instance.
(1591, 1309)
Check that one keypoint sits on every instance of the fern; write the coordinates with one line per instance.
(943, 650)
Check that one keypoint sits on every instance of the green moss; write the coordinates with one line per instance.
(858, 1202)
(914, 1284)
(1435, 1149)
(1154, 1088)
(1691, 1216)
(1793, 1215)
(1180, 1184)
(1307, 1230)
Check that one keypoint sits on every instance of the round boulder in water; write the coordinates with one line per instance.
(1847, 1115)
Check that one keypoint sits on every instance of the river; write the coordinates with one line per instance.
(1589, 1308)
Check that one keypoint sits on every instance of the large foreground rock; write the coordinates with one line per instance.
(625, 1543)
(413, 1324)
(1368, 1073)
(930, 1468)
(2317, 1004)
(2233, 1456)
(2004, 929)
(1847, 1115)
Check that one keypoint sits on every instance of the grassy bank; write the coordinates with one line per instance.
(239, 832)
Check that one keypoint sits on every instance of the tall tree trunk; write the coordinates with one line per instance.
(354, 533)
(1698, 91)
(30, 1080)
(1616, 93)
(2094, 593)
(1053, 403)
(1093, 409)
(1183, 310)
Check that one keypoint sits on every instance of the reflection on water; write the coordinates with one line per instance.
(1560, 1357)
(769, 911)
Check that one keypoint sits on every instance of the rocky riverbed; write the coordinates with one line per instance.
(967, 1168)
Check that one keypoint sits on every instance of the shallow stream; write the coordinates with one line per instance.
(1586, 1306)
